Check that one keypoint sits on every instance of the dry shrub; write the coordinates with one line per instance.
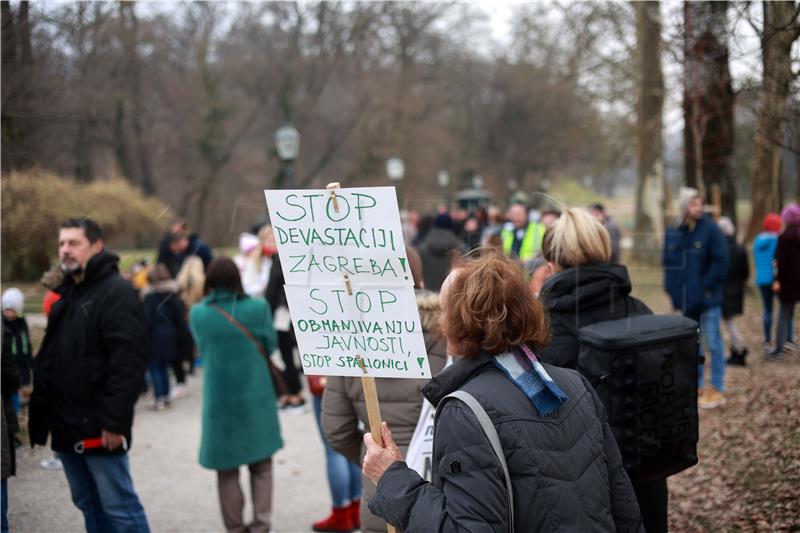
(35, 203)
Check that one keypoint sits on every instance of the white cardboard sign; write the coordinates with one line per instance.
(318, 245)
(379, 324)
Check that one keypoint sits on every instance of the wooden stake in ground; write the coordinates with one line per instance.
(373, 411)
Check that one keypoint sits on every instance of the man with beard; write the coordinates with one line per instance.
(88, 375)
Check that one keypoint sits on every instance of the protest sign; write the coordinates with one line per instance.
(381, 325)
(359, 236)
(349, 286)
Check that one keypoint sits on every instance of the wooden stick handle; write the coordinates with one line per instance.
(374, 415)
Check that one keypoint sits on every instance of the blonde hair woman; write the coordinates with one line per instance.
(585, 289)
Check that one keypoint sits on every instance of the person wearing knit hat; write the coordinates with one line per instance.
(695, 262)
(686, 196)
(787, 261)
(13, 300)
(764, 247)
(733, 291)
(17, 339)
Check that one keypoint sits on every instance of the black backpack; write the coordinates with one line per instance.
(644, 369)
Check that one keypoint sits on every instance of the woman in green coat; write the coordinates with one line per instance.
(240, 417)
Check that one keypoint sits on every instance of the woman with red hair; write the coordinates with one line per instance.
(537, 456)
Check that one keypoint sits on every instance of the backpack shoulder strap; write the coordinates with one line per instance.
(494, 440)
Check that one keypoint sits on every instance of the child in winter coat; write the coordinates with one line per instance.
(16, 338)
(733, 291)
(165, 319)
(764, 247)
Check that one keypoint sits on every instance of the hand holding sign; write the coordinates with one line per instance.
(350, 289)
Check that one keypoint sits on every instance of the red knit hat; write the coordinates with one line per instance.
(772, 222)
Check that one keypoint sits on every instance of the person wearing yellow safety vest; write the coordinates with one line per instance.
(521, 238)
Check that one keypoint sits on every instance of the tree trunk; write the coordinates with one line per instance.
(709, 94)
(781, 29)
(134, 89)
(120, 144)
(9, 52)
(649, 127)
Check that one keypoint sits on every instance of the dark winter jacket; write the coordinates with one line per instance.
(17, 345)
(733, 287)
(90, 369)
(695, 264)
(9, 382)
(174, 261)
(436, 252)
(164, 318)
(275, 293)
(787, 256)
(566, 471)
(582, 296)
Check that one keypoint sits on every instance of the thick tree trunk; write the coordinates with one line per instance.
(9, 52)
(781, 29)
(649, 132)
(709, 92)
(133, 73)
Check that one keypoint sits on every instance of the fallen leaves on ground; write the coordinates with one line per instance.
(748, 475)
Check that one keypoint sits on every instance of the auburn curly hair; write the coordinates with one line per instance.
(488, 307)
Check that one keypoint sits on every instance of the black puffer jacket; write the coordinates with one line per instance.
(90, 368)
(565, 468)
(733, 288)
(580, 297)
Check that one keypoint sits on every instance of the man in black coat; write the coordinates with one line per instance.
(88, 375)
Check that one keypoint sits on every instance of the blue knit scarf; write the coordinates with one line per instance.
(524, 369)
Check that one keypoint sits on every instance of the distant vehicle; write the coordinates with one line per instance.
(471, 199)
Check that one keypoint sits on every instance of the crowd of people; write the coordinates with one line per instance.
(503, 298)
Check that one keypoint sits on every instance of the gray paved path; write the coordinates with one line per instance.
(178, 494)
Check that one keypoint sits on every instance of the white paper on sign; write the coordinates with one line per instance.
(318, 245)
(380, 324)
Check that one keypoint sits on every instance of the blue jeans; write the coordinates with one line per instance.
(344, 477)
(784, 332)
(711, 334)
(102, 489)
(767, 298)
(160, 376)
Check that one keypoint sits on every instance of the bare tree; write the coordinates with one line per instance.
(649, 131)
(781, 29)
(708, 102)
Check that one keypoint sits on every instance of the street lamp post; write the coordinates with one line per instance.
(444, 180)
(396, 169)
(287, 143)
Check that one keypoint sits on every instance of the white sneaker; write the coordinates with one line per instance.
(177, 391)
(51, 463)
